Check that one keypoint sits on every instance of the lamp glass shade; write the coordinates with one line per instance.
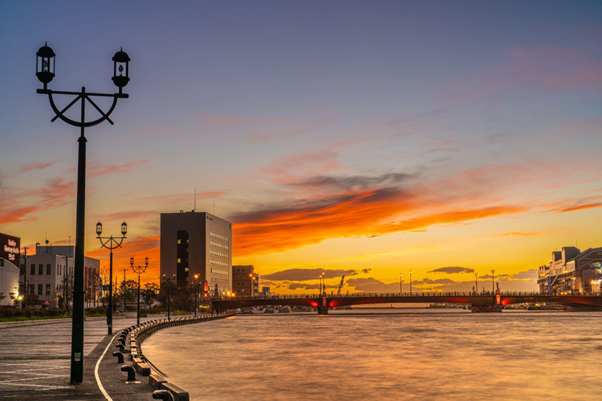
(98, 228)
(45, 63)
(132, 261)
(146, 261)
(121, 69)
(124, 228)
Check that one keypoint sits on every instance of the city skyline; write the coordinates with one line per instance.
(365, 139)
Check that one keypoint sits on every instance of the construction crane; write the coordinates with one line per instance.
(341, 285)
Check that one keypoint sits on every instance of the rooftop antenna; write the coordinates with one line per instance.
(194, 199)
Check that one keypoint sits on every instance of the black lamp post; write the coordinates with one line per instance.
(24, 254)
(196, 285)
(139, 270)
(168, 285)
(476, 278)
(111, 243)
(45, 71)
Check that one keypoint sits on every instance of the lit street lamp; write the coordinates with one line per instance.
(111, 243)
(196, 285)
(45, 71)
(139, 270)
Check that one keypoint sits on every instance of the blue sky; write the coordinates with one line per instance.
(453, 120)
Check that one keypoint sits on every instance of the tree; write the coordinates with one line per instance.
(150, 293)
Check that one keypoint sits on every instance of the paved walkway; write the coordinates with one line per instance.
(35, 360)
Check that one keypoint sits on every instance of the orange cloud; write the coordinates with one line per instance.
(57, 193)
(352, 213)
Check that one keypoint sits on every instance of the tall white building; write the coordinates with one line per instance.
(197, 243)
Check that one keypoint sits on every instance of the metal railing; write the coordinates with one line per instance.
(404, 295)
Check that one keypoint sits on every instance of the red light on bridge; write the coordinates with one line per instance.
(314, 304)
(333, 304)
(505, 301)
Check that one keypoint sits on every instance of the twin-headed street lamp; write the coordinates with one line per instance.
(45, 71)
(111, 243)
(138, 270)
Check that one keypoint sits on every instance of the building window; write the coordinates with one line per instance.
(215, 235)
(39, 289)
(218, 263)
(40, 269)
(33, 270)
(48, 269)
(47, 289)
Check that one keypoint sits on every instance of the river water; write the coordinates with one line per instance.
(386, 355)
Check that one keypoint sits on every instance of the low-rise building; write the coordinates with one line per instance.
(245, 282)
(50, 275)
(571, 271)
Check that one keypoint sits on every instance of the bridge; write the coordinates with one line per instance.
(481, 302)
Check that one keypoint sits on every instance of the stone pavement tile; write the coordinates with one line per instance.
(35, 360)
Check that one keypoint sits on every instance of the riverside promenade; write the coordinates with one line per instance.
(35, 362)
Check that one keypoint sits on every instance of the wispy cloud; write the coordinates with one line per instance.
(307, 274)
(98, 169)
(452, 270)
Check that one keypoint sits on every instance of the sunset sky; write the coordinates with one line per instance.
(365, 138)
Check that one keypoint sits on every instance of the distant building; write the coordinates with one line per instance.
(9, 282)
(10, 246)
(197, 243)
(245, 282)
(571, 271)
(50, 274)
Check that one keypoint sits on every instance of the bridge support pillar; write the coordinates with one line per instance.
(322, 310)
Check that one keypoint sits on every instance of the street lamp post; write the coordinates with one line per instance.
(168, 285)
(410, 282)
(476, 275)
(139, 270)
(24, 304)
(111, 243)
(196, 285)
(400, 287)
(492, 281)
(45, 71)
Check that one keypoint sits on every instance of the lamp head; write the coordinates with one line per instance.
(124, 228)
(98, 228)
(146, 261)
(121, 69)
(45, 62)
(132, 261)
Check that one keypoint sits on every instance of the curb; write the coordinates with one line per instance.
(135, 335)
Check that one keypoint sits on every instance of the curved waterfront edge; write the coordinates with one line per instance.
(142, 365)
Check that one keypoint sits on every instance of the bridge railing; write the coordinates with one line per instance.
(398, 295)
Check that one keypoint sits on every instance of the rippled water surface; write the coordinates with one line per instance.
(386, 355)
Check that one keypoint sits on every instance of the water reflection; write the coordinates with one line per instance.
(385, 355)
